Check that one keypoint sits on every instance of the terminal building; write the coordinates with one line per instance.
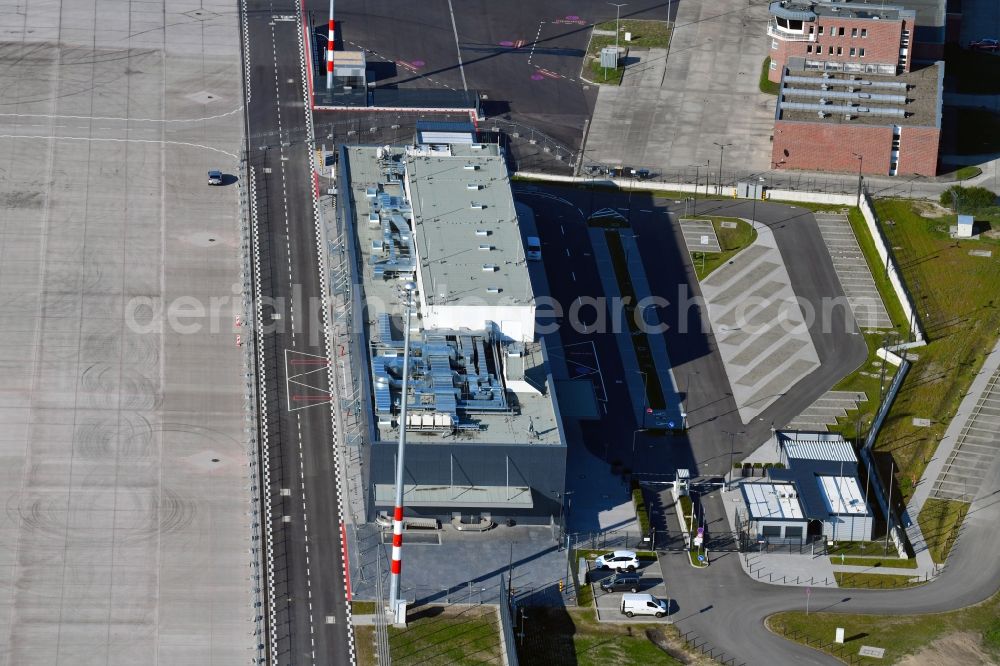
(817, 494)
(875, 37)
(485, 440)
(831, 120)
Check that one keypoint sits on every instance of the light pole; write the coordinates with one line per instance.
(732, 446)
(861, 163)
(697, 179)
(722, 152)
(397, 518)
(618, 14)
(634, 433)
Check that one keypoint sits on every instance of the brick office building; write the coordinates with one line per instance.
(841, 121)
(836, 35)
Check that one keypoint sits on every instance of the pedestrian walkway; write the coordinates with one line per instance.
(852, 269)
(969, 445)
(759, 326)
(699, 236)
(974, 449)
(825, 411)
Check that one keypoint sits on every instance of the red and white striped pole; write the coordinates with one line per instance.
(329, 50)
(397, 516)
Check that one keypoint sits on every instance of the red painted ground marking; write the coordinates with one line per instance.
(347, 565)
(309, 361)
(305, 46)
(311, 398)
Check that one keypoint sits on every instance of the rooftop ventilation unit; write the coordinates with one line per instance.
(490, 268)
(485, 248)
(471, 167)
(472, 186)
(493, 290)
(477, 206)
(482, 232)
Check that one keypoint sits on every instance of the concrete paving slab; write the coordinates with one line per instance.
(855, 276)
(125, 467)
(762, 340)
(714, 62)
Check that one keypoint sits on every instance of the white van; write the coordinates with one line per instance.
(642, 604)
(533, 248)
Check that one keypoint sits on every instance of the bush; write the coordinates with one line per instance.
(768, 465)
(779, 465)
(686, 508)
(991, 636)
(967, 198)
(641, 514)
(737, 465)
(758, 465)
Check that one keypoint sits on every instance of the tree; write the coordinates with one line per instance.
(965, 199)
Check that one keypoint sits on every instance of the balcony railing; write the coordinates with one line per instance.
(774, 31)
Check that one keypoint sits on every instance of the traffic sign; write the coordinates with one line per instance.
(701, 558)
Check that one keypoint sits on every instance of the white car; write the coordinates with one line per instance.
(643, 604)
(533, 248)
(619, 560)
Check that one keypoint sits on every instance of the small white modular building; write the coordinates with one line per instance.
(816, 494)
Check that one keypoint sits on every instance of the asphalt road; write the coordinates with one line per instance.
(525, 56)
(698, 369)
(721, 605)
(724, 607)
(311, 622)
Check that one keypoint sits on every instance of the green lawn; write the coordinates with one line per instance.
(900, 635)
(645, 34)
(940, 521)
(957, 299)
(967, 172)
(640, 342)
(873, 580)
(439, 635)
(875, 562)
(730, 240)
(364, 642)
(766, 85)
(555, 636)
(863, 549)
(363, 607)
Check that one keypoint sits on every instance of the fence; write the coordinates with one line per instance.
(891, 269)
(836, 649)
(507, 611)
(610, 539)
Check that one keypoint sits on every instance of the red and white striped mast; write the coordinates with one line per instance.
(329, 50)
(397, 516)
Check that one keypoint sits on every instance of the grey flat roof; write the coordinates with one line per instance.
(922, 106)
(484, 497)
(816, 446)
(451, 219)
(536, 422)
(809, 11)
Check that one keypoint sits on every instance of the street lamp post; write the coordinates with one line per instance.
(397, 519)
(722, 152)
(697, 179)
(634, 433)
(861, 163)
(732, 446)
(618, 16)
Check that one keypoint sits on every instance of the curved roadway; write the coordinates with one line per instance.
(722, 606)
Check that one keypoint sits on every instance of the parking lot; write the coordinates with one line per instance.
(609, 603)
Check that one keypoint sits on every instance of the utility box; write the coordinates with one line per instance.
(966, 224)
(609, 57)
(746, 189)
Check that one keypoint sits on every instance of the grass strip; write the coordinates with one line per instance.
(940, 521)
(640, 343)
